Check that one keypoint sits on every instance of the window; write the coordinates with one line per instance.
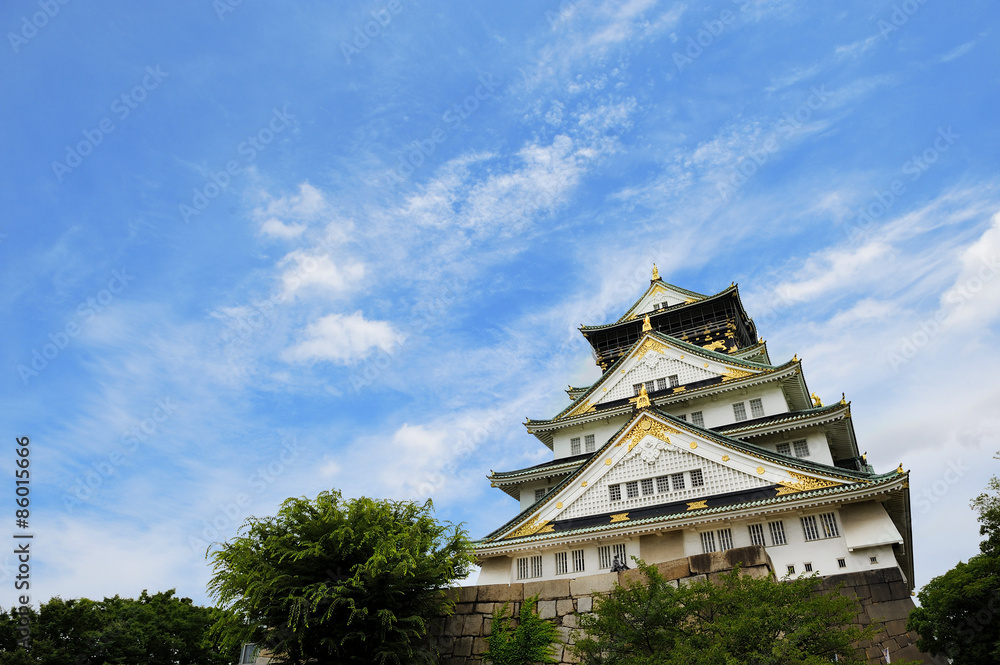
(698, 418)
(249, 654)
(756, 408)
(647, 486)
(661, 384)
(810, 528)
(683, 417)
(674, 382)
(574, 446)
(842, 563)
(697, 479)
(588, 442)
(650, 386)
(725, 539)
(784, 449)
(757, 534)
(663, 484)
(539, 493)
(707, 541)
(606, 555)
(740, 411)
(577, 561)
(827, 527)
(678, 481)
(791, 569)
(615, 492)
(873, 559)
(829, 522)
(636, 388)
(808, 567)
(801, 448)
(777, 530)
(561, 563)
(632, 489)
(529, 567)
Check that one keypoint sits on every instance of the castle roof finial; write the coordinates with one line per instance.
(656, 273)
(642, 401)
(646, 325)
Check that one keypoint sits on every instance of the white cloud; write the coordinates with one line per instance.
(958, 51)
(974, 299)
(305, 270)
(343, 339)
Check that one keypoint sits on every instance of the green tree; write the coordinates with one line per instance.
(339, 581)
(959, 613)
(159, 629)
(532, 641)
(740, 620)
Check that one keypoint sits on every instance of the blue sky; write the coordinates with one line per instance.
(251, 252)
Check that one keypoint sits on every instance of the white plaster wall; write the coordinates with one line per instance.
(602, 431)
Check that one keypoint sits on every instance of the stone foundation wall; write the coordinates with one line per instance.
(883, 596)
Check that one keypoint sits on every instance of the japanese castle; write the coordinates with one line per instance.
(693, 441)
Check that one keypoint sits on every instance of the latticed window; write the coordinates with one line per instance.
(674, 381)
(810, 528)
(589, 443)
(698, 418)
(777, 530)
(801, 448)
(632, 489)
(829, 523)
(663, 484)
(707, 541)
(562, 565)
(808, 567)
(650, 386)
(740, 411)
(725, 539)
(784, 448)
(661, 384)
(757, 534)
(697, 479)
(607, 553)
(636, 388)
(577, 561)
(647, 486)
(529, 567)
(615, 492)
(574, 445)
(683, 417)
(677, 479)
(539, 493)
(756, 408)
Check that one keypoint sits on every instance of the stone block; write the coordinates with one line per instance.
(564, 606)
(891, 611)
(691, 580)
(463, 647)
(880, 593)
(446, 645)
(500, 593)
(464, 608)
(467, 594)
(547, 590)
(478, 646)
(487, 608)
(896, 628)
(453, 625)
(571, 621)
(674, 570)
(585, 604)
(547, 609)
(898, 590)
(589, 584)
(473, 625)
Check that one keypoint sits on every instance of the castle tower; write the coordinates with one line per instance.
(690, 442)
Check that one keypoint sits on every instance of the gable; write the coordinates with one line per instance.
(651, 446)
(658, 296)
(653, 359)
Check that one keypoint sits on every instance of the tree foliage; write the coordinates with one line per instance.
(532, 641)
(959, 613)
(740, 620)
(339, 581)
(158, 629)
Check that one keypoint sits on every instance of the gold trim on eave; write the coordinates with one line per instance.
(532, 527)
(803, 483)
(620, 517)
(695, 505)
